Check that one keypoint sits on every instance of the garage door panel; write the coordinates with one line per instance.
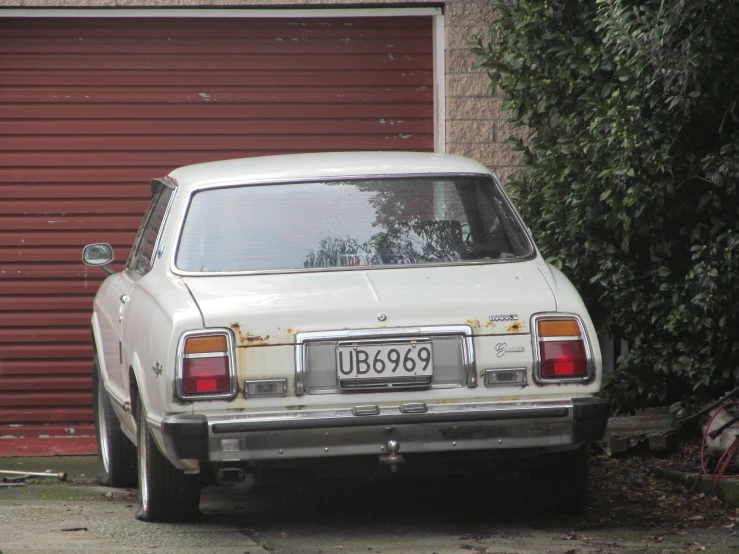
(193, 128)
(279, 43)
(211, 111)
(58, 255)
(63, 238)
(196, 27)
(269, 78)
(48, 414)
(31, 383)
(312, 95)
(19, 302)
(52, 190)
(72, 176)
(53, 272)
(64, 207)
(162, 62)
(42, 319)
(79, 351)
(35, 336)
(68, 223)
(176, 159)
(393, 139)
(92, 109)
(43, 287)
(75, 368)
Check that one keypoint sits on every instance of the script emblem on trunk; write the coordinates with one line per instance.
(502, 348)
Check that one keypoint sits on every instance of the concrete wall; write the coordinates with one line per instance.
(475, 126)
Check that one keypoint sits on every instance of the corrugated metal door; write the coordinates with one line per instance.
(91, 109)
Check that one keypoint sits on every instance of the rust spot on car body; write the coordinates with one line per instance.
(516, 327)
(248, 338)
(490, 325)
(473, 323)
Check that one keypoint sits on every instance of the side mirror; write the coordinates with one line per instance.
(98, 255)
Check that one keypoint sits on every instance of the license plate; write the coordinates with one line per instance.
(385, 362)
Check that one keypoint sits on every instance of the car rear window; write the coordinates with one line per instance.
(350, 223)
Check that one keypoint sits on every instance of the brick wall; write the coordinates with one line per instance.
(475, 126)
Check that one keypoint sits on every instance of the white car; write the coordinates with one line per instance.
(351, 307)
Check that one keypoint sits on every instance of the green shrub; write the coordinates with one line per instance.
(630, 124)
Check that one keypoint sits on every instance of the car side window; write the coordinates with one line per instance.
(142, 251)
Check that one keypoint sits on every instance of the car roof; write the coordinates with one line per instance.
(322, 166)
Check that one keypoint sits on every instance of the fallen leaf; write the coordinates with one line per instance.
(285, 535)
(695, 518)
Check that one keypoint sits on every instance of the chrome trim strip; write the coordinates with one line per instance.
(538, 379)
(230, 183)
(205, 355)
(464, 331)
(560, 339)
(389, 416)
(230, 339)
(184, 273)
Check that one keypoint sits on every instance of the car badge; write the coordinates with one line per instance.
(504, 317)
(502, 348)
(157, 369)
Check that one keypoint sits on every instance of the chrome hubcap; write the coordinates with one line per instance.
(103, 430)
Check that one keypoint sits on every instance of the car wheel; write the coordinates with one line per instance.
(165, 493)
(561, 486)
(116, 454)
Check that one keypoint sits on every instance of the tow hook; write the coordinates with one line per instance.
(393, 459)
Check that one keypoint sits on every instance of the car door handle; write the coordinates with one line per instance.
(124, 298)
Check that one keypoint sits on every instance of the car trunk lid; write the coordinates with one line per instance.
(271, 309)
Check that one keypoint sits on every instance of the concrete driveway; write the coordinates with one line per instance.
(302, 514)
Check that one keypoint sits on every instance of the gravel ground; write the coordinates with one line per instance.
(631, 511)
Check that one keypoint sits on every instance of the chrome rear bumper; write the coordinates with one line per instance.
(447, 427)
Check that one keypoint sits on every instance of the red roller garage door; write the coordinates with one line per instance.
(91, 109)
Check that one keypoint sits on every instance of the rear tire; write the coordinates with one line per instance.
(116, 454)
(561, 486)
(165, 493)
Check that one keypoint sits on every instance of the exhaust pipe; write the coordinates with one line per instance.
(235, 477)
(230, 475)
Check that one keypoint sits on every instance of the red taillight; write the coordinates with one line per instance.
(562, 349)
(206, 366)
(562, 359)
(206, 376)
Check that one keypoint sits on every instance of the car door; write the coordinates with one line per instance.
(140, 262)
